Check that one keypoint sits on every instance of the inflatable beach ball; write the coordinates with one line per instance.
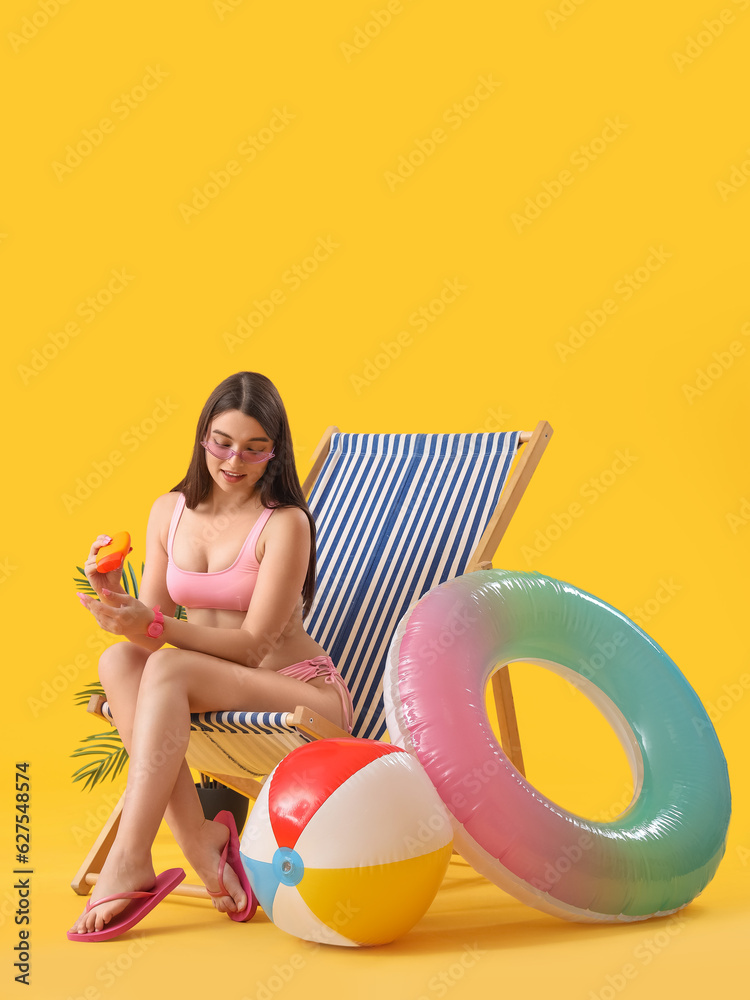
(347, 843)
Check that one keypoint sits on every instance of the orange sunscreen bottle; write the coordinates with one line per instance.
(112, 556)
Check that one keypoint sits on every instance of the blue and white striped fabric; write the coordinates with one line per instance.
(223, 743)
(395, 514)
(257, 723)
(260, 723)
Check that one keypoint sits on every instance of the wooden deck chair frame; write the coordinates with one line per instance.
(304, 720)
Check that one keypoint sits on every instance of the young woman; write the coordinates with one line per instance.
(234, 543)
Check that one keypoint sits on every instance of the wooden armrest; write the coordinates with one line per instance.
(315, 725)
(95, 706)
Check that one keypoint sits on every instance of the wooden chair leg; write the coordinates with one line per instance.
(506, 717)
(505, 706)
(96, 857)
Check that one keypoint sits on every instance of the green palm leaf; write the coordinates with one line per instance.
(82, 583)
(132, 577)
(108, 755)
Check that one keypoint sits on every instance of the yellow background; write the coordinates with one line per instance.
(351, 100)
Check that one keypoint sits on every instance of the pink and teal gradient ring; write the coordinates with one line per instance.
(651, 860)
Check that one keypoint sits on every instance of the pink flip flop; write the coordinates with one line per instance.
(231, 854)
(165, 883)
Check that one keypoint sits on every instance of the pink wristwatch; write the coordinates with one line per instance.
(156, 627)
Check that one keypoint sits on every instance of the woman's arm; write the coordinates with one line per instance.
(153, 589)
(281, 577)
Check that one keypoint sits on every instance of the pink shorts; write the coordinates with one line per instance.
(323, 666)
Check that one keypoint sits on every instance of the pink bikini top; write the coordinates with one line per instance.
(230, 588)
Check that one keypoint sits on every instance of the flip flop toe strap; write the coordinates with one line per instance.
(220, 874)
(138, 894)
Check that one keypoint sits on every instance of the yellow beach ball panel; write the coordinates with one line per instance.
(390, 899)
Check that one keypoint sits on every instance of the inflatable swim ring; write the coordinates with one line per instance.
(655, 857)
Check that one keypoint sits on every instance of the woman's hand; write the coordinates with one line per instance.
(120, 615)
(111, 581)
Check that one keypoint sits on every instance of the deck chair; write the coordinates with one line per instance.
(396, 515)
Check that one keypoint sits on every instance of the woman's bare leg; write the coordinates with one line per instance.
(173, 684)
(120, 670)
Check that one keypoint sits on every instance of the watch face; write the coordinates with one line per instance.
(156, 627)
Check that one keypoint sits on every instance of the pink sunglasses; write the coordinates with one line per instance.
(224, 453)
